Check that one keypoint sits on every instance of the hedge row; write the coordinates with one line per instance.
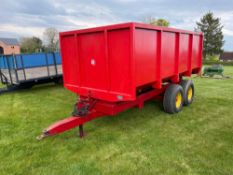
(226, 63)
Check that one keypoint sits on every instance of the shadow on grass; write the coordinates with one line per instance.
(36, 88)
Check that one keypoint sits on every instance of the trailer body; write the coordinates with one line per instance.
(112, 62)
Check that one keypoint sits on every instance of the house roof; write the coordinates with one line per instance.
(226, 56)
(10, 41)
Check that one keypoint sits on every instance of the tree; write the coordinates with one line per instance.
(213, 36)
(51, 39)
(30, 44)
(157, 22)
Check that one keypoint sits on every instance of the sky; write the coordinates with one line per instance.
(25, 18)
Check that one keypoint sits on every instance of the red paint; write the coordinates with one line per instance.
(112, 62)
(101, 109)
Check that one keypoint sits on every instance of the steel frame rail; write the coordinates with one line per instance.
(100, 109)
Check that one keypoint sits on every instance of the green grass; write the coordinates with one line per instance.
(198, 140)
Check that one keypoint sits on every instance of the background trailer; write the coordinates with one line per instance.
(26, 70)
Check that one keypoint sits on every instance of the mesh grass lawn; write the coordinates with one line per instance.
(198, 140)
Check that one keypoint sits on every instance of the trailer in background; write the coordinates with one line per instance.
(26, 70)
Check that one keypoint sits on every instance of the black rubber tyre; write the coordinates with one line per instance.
(170, 99)
(188, 88)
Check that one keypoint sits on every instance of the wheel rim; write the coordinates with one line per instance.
(178, 100)
(190, 93)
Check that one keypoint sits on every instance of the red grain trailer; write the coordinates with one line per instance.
(116, 67)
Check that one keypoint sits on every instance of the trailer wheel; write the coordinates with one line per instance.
(188, 88)
(173, 99)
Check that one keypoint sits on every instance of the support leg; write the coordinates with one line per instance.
(140, 105)
(81, 132)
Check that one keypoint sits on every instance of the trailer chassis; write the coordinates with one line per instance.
(87, 109)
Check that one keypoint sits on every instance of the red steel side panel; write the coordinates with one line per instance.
(196, 51)
(92, 63)
(165, 54)
(145, 56)
(119, 61)
(99, 63)
(183, 52)
(168, 54)
(69, 64)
